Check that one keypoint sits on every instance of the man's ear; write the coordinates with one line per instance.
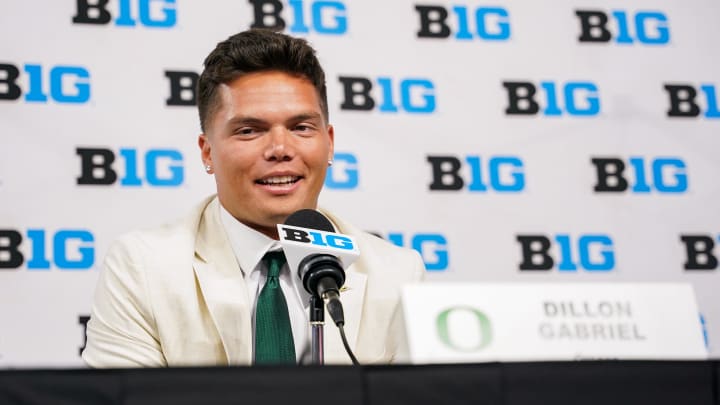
(331, 140)
(205, 149)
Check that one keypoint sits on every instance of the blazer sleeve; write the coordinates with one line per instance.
(121, 331)
(397, 338)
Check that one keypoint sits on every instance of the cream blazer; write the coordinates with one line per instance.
(175, 296)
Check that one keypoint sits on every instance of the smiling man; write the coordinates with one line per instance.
(269, 145)
(213, 288)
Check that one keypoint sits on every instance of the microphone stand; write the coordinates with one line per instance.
(317, 320)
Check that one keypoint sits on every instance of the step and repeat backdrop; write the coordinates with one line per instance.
(506, 141)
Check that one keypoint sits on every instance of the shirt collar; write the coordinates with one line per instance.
(248, 244)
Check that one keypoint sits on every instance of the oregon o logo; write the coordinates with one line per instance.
(448, 334)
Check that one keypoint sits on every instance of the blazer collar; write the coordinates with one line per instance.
(223, 286)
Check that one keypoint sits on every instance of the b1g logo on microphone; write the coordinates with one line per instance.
(699, 252)
(163, 167)
(62, 84)
(316, 237)
(590, 252)
(644, 27)
(64, 249)
(321, 16)
(501, 174)
(410, 95)
(433, 248)
(688, 101)
(129, 13)
(343, 174)
(483, 23)
(661, 175)
(577, 99)
(299, 243)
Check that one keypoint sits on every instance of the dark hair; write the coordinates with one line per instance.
(257, 50)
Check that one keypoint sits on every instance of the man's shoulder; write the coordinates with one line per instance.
(170, 238)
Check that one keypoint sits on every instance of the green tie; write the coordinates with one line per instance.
(273, 333)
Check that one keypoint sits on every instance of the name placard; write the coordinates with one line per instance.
(451, 323)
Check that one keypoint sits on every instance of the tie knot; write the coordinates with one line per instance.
(275, 261)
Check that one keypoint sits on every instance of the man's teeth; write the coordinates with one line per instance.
(280, 180)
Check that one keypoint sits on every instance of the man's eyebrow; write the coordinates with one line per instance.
(306, 116)
(242, 119)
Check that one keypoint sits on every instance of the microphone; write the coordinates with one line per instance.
(320, 256)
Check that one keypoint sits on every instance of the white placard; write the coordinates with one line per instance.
(451, 323)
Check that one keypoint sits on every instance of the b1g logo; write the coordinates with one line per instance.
(580, 99)
(591, 252)
(416, 95)
(343, 174)
(699, 252)
(662, 175)
(61, 84)
(129, 13)
(502, 174)
(163, 167)
(684, 99)
(644, 27)
(320, 16)
(433, 248)
(316, 237)
(72, 249)
(485, 23)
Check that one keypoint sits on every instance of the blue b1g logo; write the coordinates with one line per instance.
(485, 23)
(649, 27)
(579, 99)
(163, 167)
(72, 249)
(61, 84)
(148, 13)
(410, 95)
(590, 252)
(502, 174)
(666, 175)
(320, 16)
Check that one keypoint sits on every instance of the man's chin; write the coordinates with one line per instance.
(280, 216)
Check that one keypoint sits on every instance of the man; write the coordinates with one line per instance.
(194, 292)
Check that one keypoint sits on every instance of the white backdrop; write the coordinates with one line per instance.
(100, 83)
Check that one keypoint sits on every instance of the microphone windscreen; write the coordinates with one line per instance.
(310, 219)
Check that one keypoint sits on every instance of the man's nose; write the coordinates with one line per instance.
(279, 146)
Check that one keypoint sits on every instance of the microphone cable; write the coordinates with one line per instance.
(347, 346)
(335, 309)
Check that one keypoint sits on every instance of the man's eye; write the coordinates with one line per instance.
(245, 131)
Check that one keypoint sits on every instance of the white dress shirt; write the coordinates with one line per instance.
(249, 247)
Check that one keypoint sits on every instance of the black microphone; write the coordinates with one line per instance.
(322, 275)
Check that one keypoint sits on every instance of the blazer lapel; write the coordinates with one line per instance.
(223, 287)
